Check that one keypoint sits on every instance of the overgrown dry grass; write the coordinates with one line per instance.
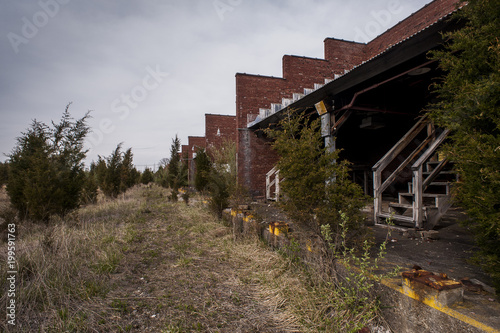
(137, 264)
(142, 264)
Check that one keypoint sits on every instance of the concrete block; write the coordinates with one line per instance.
(432, 289)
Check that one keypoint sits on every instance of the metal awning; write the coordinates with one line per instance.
(410, 52)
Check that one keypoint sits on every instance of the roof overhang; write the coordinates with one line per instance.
(411, 51)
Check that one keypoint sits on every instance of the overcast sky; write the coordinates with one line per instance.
(151, 69)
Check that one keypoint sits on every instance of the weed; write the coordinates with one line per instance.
(183, 262)
(120, 306)
(353, 287)
(107, 263)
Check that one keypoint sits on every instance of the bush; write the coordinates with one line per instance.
(469, 96)
(4, 173)
(115, 173)
(89, 190)
(219, 191)
(316, 185)
(147, 176)
(222, 177)
(161, 175)
(202, 173)
(46, 173)
(176, 175)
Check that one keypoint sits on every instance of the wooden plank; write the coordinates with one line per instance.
(398, 147)
(405, 163)
(434, 174)
(430, 151)
(418, 198)
(395, 217)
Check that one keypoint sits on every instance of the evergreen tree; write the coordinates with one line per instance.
(147, 176)
(469, 100)
(174, 164)
(222, 177)
(316, 185)
(98, 170)
(4, 173)
(184, 170)
(90, 189)
(46, 173)
(116, 173)
(113, 176)
(203, 165)
(127, 171)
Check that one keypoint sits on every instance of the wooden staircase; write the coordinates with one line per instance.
(426, 197)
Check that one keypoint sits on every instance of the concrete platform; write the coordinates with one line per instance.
(445, 252)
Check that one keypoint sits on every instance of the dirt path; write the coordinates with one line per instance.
(182, 272)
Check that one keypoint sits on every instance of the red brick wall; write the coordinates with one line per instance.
(184, 150)
(254, 92)
(411, 25)
(218, 129)
(195, 142)
(343, 54)
(305, 72)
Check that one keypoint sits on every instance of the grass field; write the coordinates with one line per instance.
(142, 264)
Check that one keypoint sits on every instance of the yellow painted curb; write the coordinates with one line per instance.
(433, 304)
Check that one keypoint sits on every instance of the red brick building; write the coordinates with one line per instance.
(218, 130)
(195, 143)
(374, 93)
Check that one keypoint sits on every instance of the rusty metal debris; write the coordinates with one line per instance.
(437, 282)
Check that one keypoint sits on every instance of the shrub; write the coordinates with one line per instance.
(222, 178)
(202, 173)
(219, 191)
(147, 176)
(4, 173)
(469, 96)
(46, 173)
(116, 173)
(316, 183)
(89, 190)
(161, 175)
(174, 166)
